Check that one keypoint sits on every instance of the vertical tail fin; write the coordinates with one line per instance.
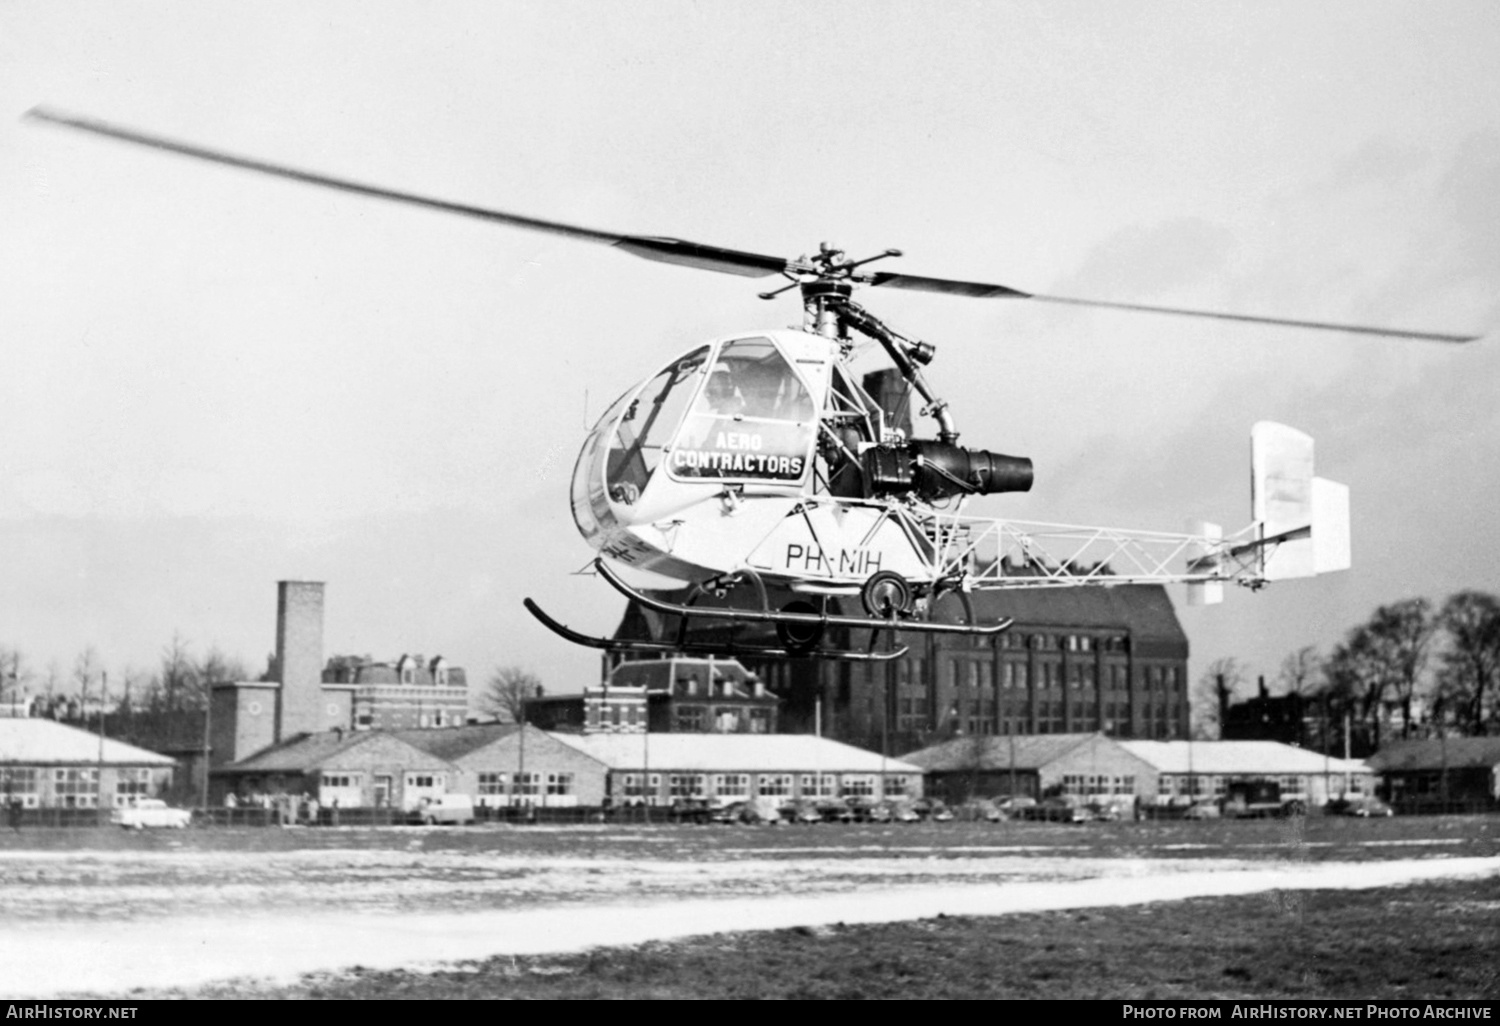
(1303, 520)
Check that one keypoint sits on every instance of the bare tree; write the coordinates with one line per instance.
(1215, 688)
(1403, 633)
(177, 678)
(1470, 670)
(218, 668)
(51, 684)
(1357, 681)
(14, 673)
(1301, 671)
(507, 691)
(86, 669)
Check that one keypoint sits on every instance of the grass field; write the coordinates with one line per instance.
(1432, 940)
(1429, 941)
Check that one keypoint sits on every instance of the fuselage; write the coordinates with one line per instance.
(728, 458)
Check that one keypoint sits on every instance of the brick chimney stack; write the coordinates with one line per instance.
(299, 657)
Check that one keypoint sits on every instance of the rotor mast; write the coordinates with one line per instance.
(830, 311)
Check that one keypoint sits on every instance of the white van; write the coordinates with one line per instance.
(444, 808)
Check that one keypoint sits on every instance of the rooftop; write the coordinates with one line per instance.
(1021, 751)
(36, 742)
(1435, 753)
(748, 753)
(1270, 758)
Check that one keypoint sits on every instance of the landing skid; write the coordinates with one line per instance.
(684, 647)
(800, 630)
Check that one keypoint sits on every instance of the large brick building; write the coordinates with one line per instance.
(1076, 660)
(675, 695)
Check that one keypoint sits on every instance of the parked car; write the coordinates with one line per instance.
(690, 810)
(732, 812)
(834, 811)
(1207, 809)
(902, 812)
(457, 809)
(1015, 807)
(1363, 806)
(1250, 799)
(801, 812)
(981, 810)
(150, 812)
(1060, 808)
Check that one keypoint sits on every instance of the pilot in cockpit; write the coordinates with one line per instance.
(720, 394)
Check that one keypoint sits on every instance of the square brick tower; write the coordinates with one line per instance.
(299, 657)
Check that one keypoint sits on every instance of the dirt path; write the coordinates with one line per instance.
(114, 950)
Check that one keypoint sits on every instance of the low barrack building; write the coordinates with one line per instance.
(502, 764)
(48, 765)
(661, 769)
(355, 769)
(1090, 766)
(1456, 769)
(1188, 771)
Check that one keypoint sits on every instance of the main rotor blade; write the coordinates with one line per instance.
(1357, 329)
(981, 290)
(650, 247)
(973, 289)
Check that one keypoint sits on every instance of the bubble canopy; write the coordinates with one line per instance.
(735, 412)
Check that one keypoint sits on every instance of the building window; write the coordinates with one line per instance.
(777, 785)
(690, 719)
(732, 785)
(492, 783)
(897, 785)
(528, 784)
(559, 783)
(816, 785)
(76, 788)
(858, 786)
(686, 785)
(131, 784)
(19, 780)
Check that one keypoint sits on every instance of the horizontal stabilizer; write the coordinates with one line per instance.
(1205, 557)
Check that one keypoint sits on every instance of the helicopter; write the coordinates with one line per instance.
(759, 462)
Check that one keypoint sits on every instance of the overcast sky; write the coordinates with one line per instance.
(213, 381)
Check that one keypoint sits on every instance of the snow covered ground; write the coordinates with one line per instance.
(105, 923)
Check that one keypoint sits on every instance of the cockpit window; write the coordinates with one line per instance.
(646, 425)
(754, 419)
(751, 378)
